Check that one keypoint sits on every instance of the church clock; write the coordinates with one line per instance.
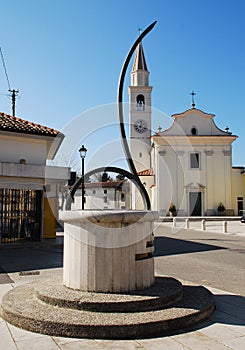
(140, 126)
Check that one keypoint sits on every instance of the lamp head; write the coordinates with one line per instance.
(83, 151)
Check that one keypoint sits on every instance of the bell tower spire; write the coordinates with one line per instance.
(139, 73)
(140, 111)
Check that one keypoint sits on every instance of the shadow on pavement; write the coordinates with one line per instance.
(172, 246)
(30, 256)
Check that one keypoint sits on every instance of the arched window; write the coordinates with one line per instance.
(140, 100)
(194, 131)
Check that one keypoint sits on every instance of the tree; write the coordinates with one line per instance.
(100, 177)
(120, 177)
(106, 177)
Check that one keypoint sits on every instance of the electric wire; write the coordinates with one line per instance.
(5, 69)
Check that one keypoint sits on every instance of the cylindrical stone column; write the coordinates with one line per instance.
(224, 226)
(108, 251)
(203, 225)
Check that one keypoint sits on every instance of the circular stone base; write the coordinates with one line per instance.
(164, 292)
(24, 308)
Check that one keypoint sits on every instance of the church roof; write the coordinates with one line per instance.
(195, 123)
(139, 60)
(18, 125)
(193, 110)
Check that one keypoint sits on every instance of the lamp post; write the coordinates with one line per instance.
(83, 152)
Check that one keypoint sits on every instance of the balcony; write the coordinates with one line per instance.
(34, 171)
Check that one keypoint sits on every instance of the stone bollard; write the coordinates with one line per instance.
(174, 222)
(203, 225)
(187, 223)
(108, 251)
(224, 226)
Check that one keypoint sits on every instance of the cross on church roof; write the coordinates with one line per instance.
(159, 129)
(193, 102)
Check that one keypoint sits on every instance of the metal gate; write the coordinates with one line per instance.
(20, 214)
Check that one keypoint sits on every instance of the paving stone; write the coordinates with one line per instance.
(4, 289)
(81, 344)
(19, 334)
(162, 343)
(6, 340)
(199, 341)
(236, 343)
(40, 343)
(64, 340)
(120, 345)
(226, 307)
(221, 333)
(224, 318)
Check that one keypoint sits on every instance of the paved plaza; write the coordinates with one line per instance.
(225, 330)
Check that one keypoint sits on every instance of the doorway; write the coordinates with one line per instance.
(195, 203)
(240, 206)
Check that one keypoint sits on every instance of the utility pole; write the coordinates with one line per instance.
(14, 94)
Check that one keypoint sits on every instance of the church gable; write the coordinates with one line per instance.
(194, 122)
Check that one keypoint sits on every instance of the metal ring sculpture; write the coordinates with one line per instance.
(133, 176)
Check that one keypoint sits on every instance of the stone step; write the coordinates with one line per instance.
(22, 307)
(164, 292)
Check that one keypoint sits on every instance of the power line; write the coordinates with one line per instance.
(5, 69)
(14, 92)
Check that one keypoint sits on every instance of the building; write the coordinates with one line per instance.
(189, 164)
(104, 195)
(28, 186)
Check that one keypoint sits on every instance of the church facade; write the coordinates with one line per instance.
(189, 165)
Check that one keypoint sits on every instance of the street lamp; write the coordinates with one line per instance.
(83, 152)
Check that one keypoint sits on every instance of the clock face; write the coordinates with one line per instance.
(140, 126)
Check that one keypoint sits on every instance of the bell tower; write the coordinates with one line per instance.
(140, 111)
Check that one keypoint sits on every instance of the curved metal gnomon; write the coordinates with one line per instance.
(131, 165)
(133, 176)
(110, 169)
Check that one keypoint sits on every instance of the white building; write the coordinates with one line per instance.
(28, 187)
(189, 164)
(104, 195)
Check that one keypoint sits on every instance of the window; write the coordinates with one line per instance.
(94, 191)
(195, 160)
(140, 155)
(105, 191)
(140, 99)
(194, 131)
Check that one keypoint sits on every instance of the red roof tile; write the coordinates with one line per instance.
(146, 172)
(107, 184)
(14, 124)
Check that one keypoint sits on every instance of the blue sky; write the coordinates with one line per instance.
(65, 57)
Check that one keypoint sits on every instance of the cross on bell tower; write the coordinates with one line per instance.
(192, 99)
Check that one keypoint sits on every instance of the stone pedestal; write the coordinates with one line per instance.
(108, 251)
